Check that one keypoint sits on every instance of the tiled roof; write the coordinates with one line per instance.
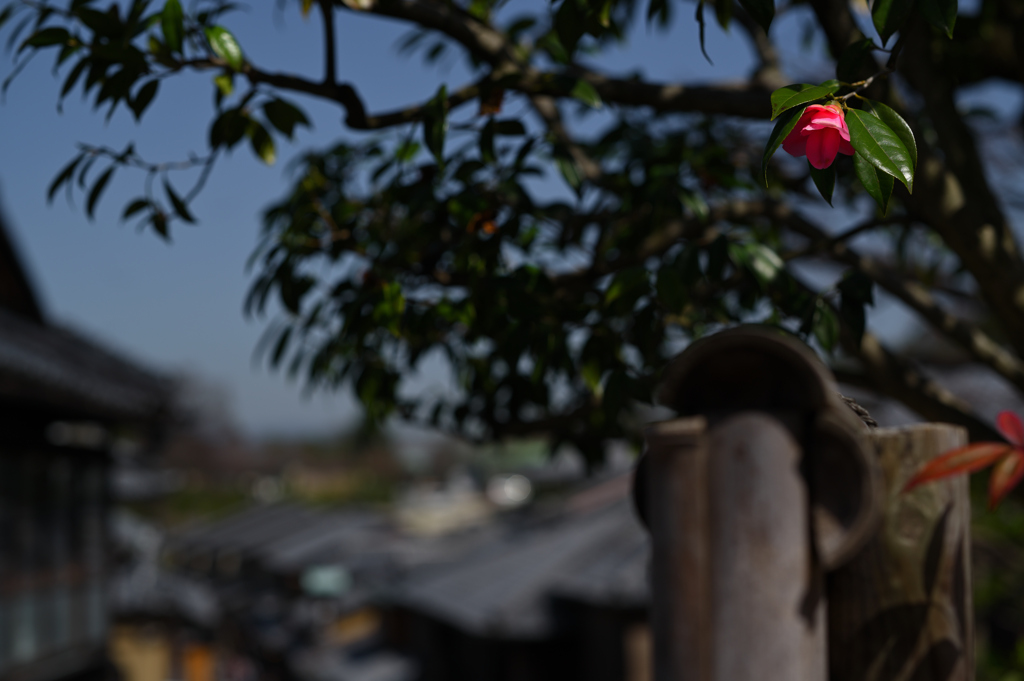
(504, 590)
(49, 366)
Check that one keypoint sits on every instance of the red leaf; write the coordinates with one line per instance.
(960, 460)
(1010, 426)
(1005, 476)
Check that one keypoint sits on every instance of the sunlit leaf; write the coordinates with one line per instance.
(879, 145)
(225, 83)
(225, 46)
(785, 98)
(896, 123)
(262, 144)
(586, 93)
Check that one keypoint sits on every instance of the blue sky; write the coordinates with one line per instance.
(178, 307)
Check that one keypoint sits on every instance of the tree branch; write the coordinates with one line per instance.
(895, 377)
(330, 58)
(953, 195)
(980, 345)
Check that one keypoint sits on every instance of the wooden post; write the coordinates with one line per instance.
(901, 609)
(676, 504)
(732, 559)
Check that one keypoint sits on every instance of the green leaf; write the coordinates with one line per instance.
(670, 288)
(180, 207)
(262, 144)
(855, 291)
(509, 127)
(824, 180)
(570, 172)
(889, 16)
(487, 142)
(782, 129)
(46, 37)
(144, 96)
(879, 145)
(855, 61)
(586, 93)
(435, 124)
(225, 46)
(761, 11)
(718, 255)
(786, 98)
(229, 128)
(696, 203)
(97, 190)
(76, 73)
(280, 346)
(940, 13)
(825, 325)
(857, 286)
(877, 184)
(172, 23)
(897, 125)
(159, 222)
(407, 151)
(225, 83)
(134, 207)
(6, 13)
(284, 116)
(63, 177)
(569, 24)
(659, 10)
(723, 12)
(760, 260)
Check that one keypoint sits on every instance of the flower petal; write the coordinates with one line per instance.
(822, 146)
(845, 147)
(1009, 424)
(959, 460)
(795, 144)
(1005, 477)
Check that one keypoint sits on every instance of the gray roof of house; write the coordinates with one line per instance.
(504, 590)
(287, 538)
(50, 366)
(498, 580)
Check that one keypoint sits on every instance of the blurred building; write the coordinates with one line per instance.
(65, 405)
(561, 594)
(556, 589)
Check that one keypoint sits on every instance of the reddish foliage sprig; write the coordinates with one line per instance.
(1008, 458)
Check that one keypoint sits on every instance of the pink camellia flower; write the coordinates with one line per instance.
(820, 133)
